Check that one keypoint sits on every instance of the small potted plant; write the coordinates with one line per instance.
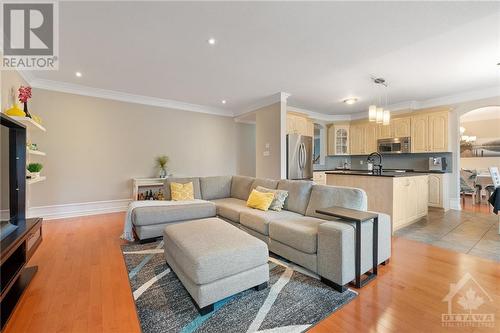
(34, 169)
(162, 161)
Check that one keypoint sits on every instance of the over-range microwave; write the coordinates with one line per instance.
(394, 145)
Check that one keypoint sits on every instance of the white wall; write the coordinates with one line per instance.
(269, 141)
(95, 146)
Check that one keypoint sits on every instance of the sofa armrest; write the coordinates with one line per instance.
(336, 248)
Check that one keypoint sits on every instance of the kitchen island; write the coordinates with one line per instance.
(403, 196)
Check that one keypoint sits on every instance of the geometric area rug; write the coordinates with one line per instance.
(294, 301)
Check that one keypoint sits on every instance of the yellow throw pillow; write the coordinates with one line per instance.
(181, 192)
(260, 200)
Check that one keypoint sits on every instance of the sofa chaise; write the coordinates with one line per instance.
(317, 242)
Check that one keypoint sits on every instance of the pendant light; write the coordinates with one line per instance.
(377, 113)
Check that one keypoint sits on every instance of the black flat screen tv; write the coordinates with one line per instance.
(12, 175)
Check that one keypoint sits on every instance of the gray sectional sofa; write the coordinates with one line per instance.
(317, 242)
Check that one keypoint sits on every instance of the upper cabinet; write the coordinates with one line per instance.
(401, 127)
(297, 124)
(338, 139)
(385, 131)
(371, 137)
(357, 139)
(429, 132)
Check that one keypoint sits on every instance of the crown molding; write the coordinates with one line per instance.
(263, 102)
(125, 97)
(321, 116)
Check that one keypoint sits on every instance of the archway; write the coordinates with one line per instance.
(477, 107)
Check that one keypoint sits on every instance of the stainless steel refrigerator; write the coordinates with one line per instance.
(299, 156)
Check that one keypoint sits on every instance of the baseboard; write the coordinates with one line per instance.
(455, 204)
(79, 209)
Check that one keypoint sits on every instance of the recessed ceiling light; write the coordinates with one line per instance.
(350, 101)
(78, 74)
(211, 41)
(224, 101)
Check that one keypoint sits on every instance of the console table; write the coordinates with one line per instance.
(137, 183)
(358, 217)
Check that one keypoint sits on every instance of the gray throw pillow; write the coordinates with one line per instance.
(279, 197)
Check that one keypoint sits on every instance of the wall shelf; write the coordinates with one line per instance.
(30, 123)
(35, 152)
(35, 180)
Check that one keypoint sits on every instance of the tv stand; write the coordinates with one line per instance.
(16, 250)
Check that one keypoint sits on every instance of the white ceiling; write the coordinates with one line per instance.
(320, 53)
(487, 113)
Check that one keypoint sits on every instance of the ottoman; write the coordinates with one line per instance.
(214, 260)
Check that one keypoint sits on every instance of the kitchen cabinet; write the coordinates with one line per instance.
(410, 200)
(319, 177)
(438, 188)
(438, 131)
(404, 198)
(338, 139)
(357, 139)
(401, 127)
(385, 131)
(371, 137)
(296, 124)
(429, 132)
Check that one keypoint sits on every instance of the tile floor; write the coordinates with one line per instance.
(461, 231)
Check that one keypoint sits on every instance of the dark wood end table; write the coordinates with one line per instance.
(357, 216)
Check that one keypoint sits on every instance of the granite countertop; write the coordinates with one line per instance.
(367, 173)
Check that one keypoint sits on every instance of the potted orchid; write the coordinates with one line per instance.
(24, 95)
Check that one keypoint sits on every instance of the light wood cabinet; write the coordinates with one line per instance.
(385, 131)
(296, 124)
(338, 139)
(404, 199)
(419, 133)
(371, 137)
(319, 177)
(438, 131)
(429, 132)
(401, 127)
(438, 190)
(357, 139)
(410, 200)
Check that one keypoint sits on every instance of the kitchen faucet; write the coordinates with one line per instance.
(378, 166)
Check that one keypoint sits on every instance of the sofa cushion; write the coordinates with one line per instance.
(301, 233)
(211, 249)
(260, 200)
(215, 187)
(241, 187)
(298, 194)
(151, 215)
(230, 208)
(194, 180)
(181, 192)
(259, 221)
(263, 182)
(279, 197)
(323, 196)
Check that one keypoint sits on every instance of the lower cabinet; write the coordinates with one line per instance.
(410, 200)
(438, 188)
(319, 177)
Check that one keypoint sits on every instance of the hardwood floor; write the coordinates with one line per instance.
(82, 286)
(468, 205)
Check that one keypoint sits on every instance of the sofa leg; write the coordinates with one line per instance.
(332, 284)
(206, 310)
(261, 286)
(385, 262)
